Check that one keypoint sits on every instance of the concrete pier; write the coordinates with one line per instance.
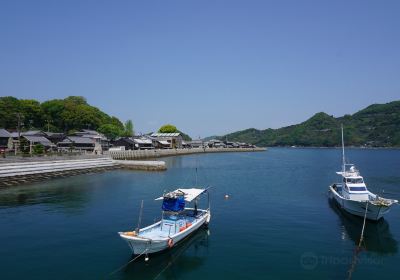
(16, 173)
(142, 165)
(146, 154)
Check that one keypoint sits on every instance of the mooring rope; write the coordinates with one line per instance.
(358, 249)
(173, 259)
(120, 268)
(363, 227)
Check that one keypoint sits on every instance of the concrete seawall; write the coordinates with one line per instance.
(145, 154)
(16, 173)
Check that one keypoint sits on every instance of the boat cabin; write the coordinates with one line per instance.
(353, 186)
(175, 216)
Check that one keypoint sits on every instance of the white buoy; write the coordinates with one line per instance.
(226, 196)
(146, 258)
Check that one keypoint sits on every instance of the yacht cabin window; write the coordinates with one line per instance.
(354, 180)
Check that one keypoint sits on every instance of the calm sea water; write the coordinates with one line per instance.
(278, 222)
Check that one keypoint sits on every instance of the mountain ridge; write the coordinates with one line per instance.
(377, 125)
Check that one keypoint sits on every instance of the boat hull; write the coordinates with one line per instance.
(140, 245)
(358, 208)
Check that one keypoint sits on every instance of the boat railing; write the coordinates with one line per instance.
(337, 186)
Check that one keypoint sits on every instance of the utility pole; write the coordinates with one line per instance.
(19, 116)
(48, 125)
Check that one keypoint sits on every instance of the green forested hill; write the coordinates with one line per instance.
(377, 125)
(59, 115)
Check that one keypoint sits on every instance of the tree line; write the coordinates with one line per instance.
(60, 115)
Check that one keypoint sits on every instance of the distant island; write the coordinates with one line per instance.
(378, 125)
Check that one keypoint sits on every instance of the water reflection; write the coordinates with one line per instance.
(377, 235)
(67, 194)
(171, 264)
(176, 162)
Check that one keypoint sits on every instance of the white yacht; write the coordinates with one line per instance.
(353, 196)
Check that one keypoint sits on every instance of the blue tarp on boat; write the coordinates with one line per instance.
(173, 204)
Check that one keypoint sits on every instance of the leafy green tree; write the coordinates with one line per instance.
(115, 121)
(129, 129)
(185, 137)
(38, 149)
(80, 116)
(110, 130)
(9, 107)
(168, 128)
(52, 111)
(24, 146)
(32, 112)
(77, 100)
(60, 115)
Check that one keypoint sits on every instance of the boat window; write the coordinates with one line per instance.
(358, 189)
(355, 181)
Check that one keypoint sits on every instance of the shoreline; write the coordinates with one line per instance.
(337, 147)
(148, 154)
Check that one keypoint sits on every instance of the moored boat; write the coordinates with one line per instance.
(352, 194)
(377, 235)
(177, 222)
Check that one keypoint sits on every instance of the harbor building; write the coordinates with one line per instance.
(168, 140)
(5, 140)
(77, 143)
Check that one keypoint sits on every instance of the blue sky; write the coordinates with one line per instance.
(209, 67)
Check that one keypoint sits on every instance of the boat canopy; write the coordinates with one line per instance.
(174, 204)
(188, 194)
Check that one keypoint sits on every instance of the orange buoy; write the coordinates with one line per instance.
(170, 243)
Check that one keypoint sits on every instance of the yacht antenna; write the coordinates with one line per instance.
(343, 158)
(196, 177)
(197, 165)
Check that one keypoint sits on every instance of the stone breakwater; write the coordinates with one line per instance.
(16, 173)
(145, 154)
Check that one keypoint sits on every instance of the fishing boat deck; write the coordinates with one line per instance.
(172, 224)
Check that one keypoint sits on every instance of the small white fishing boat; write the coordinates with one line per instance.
(353, 196)
(177, 222)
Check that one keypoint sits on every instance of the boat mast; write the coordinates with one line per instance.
(140, 218)
(343, 158)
